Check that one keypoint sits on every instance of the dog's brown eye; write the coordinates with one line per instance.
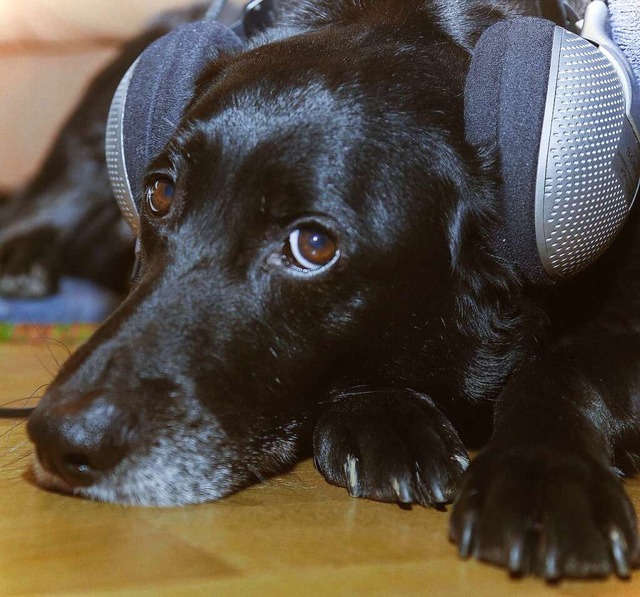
(160, 197)
(313, 248)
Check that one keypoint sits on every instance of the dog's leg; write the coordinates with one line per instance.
(544, 496)
(390, 445)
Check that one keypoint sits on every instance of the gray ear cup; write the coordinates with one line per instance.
(114, 148)
(558, 110)
(150, 103)
(589, 164)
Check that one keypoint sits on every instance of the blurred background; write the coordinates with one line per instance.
(49, 50)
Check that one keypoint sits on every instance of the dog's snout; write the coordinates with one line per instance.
(80, 439)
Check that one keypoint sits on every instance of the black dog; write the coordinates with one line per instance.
(316, 274)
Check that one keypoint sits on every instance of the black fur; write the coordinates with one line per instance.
(226, 364)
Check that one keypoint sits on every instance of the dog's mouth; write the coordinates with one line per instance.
(50, 482)
(142, 485)
(187, 462)
(84, 454)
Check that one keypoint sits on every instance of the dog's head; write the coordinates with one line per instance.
(315, 223)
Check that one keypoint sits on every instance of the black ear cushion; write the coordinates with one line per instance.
(505, 99)
(162, 85)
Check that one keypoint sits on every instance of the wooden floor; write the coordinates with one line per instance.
(295, 535)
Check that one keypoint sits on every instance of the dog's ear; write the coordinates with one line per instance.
(466, 20)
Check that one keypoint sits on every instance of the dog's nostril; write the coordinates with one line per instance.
(78, 462)
(76, 469)
(81, 440)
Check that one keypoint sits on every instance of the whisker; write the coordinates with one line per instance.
(37, 330)
(24, 451)
(257, 474)
(16, 461)
(58, 342)
(53, 356)
(44, 385)
(45, 367)
(6, 410)
(7, 434)
(24, 399)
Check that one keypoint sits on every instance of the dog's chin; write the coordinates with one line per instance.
(183, 468)
(141, 487)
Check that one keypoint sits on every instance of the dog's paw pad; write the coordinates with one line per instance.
(545, 512)
(390, 450)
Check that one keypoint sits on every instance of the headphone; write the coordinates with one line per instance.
(563, 112)
(561, 109)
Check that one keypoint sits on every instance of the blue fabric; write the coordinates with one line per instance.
(78, 301)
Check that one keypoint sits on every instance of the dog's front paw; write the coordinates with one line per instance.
(29, 262)
(545, 512)
(391, 447)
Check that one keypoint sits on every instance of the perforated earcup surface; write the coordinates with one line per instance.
(555, 106)
(151, 100)
(587, 177)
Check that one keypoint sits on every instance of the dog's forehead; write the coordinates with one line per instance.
(261, 111)
(325, 73)
(293, 132)
(288, 117)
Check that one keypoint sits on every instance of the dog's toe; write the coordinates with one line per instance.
(390, 449)
(548, 513)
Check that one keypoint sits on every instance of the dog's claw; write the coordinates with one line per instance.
(516, 559)
(551, 565)
(402, 489)
(351, 476)
(619, 553)
(437, 493)
(466, 539)
(411, 454)
(566, 515)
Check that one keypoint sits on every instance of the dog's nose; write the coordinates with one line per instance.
(80, 439)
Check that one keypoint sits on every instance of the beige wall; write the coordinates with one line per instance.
(48, 51)
(37, 94)
(76, 20)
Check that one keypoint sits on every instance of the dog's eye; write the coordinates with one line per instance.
(160, 197)
(313, 248)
